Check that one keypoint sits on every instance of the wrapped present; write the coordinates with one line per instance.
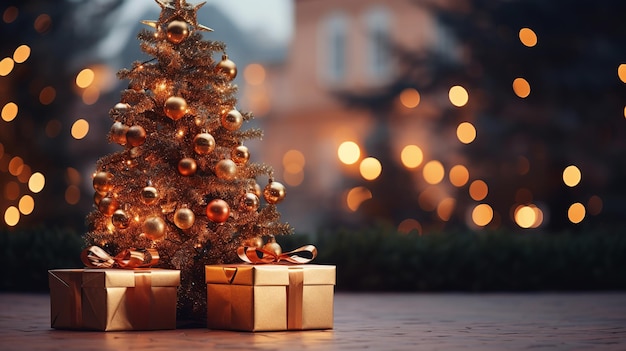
(113, 299)
(270, 297)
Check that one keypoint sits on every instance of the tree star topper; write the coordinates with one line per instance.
(177, 10)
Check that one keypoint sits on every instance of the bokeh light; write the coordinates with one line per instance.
(36, 182)
(445, 208)
(459, 175)
(458, 96)
(576, 213)
(408, 225)
(349, 152)
(356, 196)
(6, 66)
(12, 216)
(528, 216)
(80, 128)
(370, 168)
(42, 23)
(9, 111)
(85, 78)
(47, 95)
(621, 72)
(571, 176)
(478, 190)
(482, 215)
(21, 54)
(410, 98)
(433, 172)
(528, 37)
(26, 205)
(594, 205)
(521, 87)
(411, 156)
(254, 74)
(72, 194)
(466, 132)
(10, 14)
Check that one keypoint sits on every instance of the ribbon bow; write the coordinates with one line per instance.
(260, 255)
(95, 257)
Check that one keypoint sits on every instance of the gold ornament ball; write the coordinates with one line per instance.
(102, 182)
(177, 31)
(273, 246)
(227, 67)
(175, 107)
(250, 202)
(108, 206)
(121, 107)
(217, 211)
(253, 242)
(203, 144)
(120, 219)
(240, 155)
(274, 192)
(149, 195)
(97, 197)
(232, 120)
(184, 218)
(154, 228)
(118, 133)
(136, 136)
(187, 166)
(226, 169)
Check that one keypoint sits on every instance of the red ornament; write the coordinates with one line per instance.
(218, 211)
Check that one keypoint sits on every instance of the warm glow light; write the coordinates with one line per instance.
(445, 208)
(349, 152)
(528, 37)
(9, 112)
(410, 98)
(12, 216)
(42, 23)
(433, 172)
(24, 174)
(90, 95)
(521, 87)
(293, 179)
(11, 190)
(458, 96)
(370, 168)
(408, 225)
(26, 205)
(254, 74)
(482, 215)
(6, 66)
(356, 196)
(571, 176)
(293, 161)
(72, 194)
(80, 128)
(47, 95)
(21, 54)
(478, 190)
(16, 165)
(594, 205)
(525, 216)
(459, 175)
(10, 14)
(576, 213)
(36, 182)
(466, 132)
(411, 156)
(621, 72)
(85, 78)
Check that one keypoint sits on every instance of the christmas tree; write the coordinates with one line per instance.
(184, 184)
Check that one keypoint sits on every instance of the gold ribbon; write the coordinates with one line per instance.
(259, 255)
(139, 301)
(295, 293)
(95, 257)
(76, 304)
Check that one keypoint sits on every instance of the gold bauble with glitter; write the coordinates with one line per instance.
(120, 219)
(184, 218)
(121, 107)
(250, 202)
(226, 169)
(253, 242)
(177, 31)
(240, 155)
(118, 133)
(232, 120)
(203, 144)
(217, 211)
(149, 195)
(227, 67)
(136, 136)
(187, 166)
(108, 206)
(102, 182)
(274, 192)
(273, 246)
(175, 107)
(154, 228)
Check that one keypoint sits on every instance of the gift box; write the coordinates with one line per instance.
(113, 299)
(270, 297)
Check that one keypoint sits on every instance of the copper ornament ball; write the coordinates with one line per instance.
(118, 133)
(232, 120)
(136, 136)
(187, 166)
(108, 206)
(203, 144)
(175, 107)
(154, 228)
(273, 246)
(226, 169)
(240, 155)
(121, 107)
(149, 195)
(253, 242)
(184, 218)
(120, 219)
(217, 211)
(102, 182)
(227, 67)
(250, 202)
(177, 31)
(274, 192)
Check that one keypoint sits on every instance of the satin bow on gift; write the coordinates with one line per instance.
(260, 255)
(95, 257)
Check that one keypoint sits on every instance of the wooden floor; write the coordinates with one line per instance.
(546, 321)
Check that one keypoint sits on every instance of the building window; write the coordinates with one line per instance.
(332, 45)
(377, 24)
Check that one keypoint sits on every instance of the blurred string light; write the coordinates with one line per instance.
(478, 190)
(356, 196)
(445, 208)
(433, 172)
(576, 213)
(80, 128)
(621, 72)
(9, 111)
(459, 175)
(572, 176)
(408, 225)
(466, 132)
(528, 216)
(410, 98)
(293, 164)
(521, 87)
(349, 152)
(528, 37)
(411, 156)
(10, 14)
(482, 214)
(370, 168)
(458, 96)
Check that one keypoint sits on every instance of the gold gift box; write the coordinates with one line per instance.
(270, 297)
(113, 299)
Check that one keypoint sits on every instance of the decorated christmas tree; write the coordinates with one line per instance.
(183, 184)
